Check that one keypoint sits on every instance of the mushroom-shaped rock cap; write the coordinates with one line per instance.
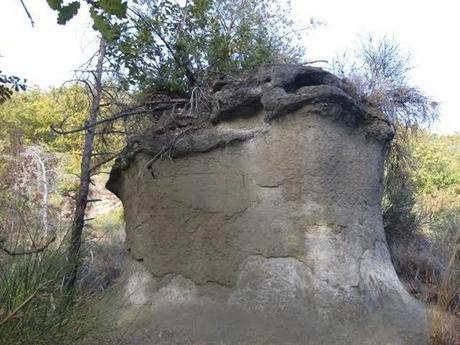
(282, 89)
(277, 90)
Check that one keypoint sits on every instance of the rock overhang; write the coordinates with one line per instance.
(277, 90)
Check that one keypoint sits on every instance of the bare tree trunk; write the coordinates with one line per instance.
(82, 199)
(44, 182)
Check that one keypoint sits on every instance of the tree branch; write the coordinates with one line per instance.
(28, 13)
(104, 161)
(313, 62)
(135, 111)
(188, 73)
(27, 252)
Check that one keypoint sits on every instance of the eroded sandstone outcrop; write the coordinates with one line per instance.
(261, 222)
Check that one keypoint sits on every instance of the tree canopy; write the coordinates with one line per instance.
(104, 13)
(173, 47)
(167, 45)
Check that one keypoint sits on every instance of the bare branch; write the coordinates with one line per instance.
(314, 61)
(110, 119)
(104, 161)
(164, 105)
(27, 252)
(28, 13)
(94, 154)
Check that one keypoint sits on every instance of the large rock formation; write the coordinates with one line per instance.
(261, 222)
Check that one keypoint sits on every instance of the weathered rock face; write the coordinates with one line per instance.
(265, 227)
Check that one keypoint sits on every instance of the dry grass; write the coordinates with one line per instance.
(434, 281)
(445, 328)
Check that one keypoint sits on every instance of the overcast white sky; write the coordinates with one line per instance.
(48, 53)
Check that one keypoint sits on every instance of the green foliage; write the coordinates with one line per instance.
(67, 12)
(451, 146)
(422, 187)
(399, 197)
(8, 85)
(31, 285)
(437, 177)
(105, 14)
(107, 31)
(28, 117)
(114, 7)
(435, 169)
(172, 47)
(55, 4)
(43, 319)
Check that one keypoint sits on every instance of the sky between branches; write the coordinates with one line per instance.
(48, 53)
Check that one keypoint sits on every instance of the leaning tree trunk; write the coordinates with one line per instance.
(82, 199)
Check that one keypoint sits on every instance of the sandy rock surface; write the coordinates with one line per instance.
(263, 224)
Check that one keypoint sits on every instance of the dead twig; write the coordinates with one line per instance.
(314, 61)
(163, 105)
(148, 165)
(104, 161)
(27, 252)
(28, 13)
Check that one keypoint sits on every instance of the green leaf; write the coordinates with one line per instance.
(114, 7)
(54, 4)
(67, 12)
(102, 25)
